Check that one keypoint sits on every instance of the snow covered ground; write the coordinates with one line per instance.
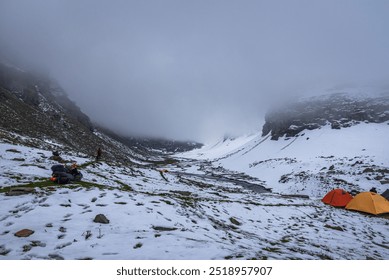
(308, 164)
(176, 215)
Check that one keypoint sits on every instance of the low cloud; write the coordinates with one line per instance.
(195, 69)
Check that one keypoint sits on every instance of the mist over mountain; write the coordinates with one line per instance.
(195, 70)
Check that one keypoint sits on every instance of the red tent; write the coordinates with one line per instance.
(337, 198)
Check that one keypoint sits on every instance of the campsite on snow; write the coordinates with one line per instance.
(298, 189)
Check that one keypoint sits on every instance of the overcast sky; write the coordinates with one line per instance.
(195, 69)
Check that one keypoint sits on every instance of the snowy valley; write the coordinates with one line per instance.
(245, 198)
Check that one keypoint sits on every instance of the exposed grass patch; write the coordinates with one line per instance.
(165, 161)
(124, 187)
(45, 183)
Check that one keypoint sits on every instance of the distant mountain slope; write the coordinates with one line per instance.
(354, 156)
(338, 109)
(38, 108)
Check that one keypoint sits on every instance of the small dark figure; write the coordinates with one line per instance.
(373, 189)
(98, 154)
(56, 153)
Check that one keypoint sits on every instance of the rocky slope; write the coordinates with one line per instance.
(340, 110)
(37, 107)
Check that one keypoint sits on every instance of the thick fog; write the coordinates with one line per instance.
(195, 69)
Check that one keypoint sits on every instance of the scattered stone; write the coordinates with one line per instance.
(65, 205)
(162, 228)
(24, 233)
(49, 225)
(334, 227)
(63, 245)
(37, 243)
(235, 221)
(100, 218)
(56, 257)
(61, 236)
(94, 199)
(87, 234)
(62, 229)
(138, 245)
(13, 151)
(27, 248)
(18, 159)
(367, 170)
(4, 251)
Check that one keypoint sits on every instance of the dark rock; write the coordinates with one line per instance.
(24, 233)
(235, 221)
(62, 229)
(37, 243)
(100, 218)
(334, 227)
(368, 170)
(4, 251)
(162, 228)
(55, 257)
(27, 248)
(335, 125)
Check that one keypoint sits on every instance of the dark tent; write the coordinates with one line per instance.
(386, 194)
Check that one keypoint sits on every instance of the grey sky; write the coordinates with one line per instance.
(195, 69)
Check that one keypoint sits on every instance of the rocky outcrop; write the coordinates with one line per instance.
(338, 110)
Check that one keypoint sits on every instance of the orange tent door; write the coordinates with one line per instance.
(369, 202)
(337, 198)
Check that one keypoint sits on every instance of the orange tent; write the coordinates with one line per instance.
(337, 198)
(369, 202)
